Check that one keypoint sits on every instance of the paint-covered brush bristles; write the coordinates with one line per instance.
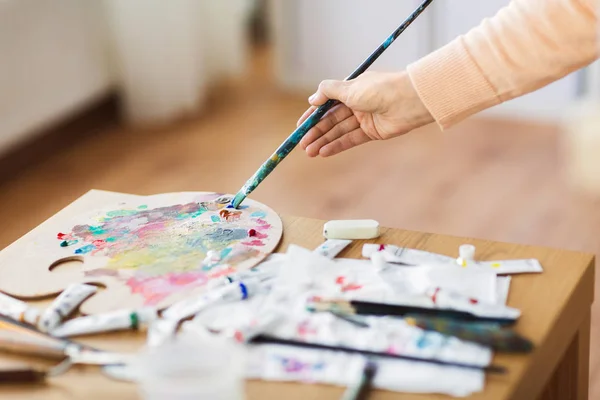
(488, 334)
(292, 141)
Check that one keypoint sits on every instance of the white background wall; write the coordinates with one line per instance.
(317, 40)
(52, 62)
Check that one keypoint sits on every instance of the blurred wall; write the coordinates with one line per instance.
(53, 62)
(317, 40)
(57, 56)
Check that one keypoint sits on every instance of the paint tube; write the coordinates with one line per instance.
(509, 266)
(64, 305)
(466, 258)
(232, 292)
(403, 255)
(20, 339)
(443, 298)
(18, 310)
(332, 247)
(112, 321)
(258, 326)
(161, 330)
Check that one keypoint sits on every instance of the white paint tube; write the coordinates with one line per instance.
(161, 330)
(503, 267)
(332, 247)
(455, 301)
(18, 310)
(166, 327)
(466, 258)
(403, 255)
(192, 306)
(112, 321)
(406, 256)
(64, 305)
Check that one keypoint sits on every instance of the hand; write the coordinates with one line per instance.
(374, 106)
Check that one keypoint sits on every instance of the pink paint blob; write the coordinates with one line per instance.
(155, 289)
(254, 243)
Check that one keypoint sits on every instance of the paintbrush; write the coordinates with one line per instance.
(266, 339)
(355, 307)
(292, 141)
(19, 338)
(360, 391)
(488, 334)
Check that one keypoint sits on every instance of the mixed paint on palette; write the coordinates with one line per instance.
(161, 250)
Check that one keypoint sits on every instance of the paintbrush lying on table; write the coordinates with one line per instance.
(292, 141)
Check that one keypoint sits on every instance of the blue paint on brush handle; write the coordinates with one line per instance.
(292, 141)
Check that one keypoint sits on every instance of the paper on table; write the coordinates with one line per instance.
(288, 364)
(285, 363)
(318, 276)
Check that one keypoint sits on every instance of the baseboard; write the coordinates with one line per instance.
(95, 118)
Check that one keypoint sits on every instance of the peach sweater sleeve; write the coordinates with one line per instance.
(525, 46)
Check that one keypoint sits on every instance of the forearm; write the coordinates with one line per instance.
(525, 46)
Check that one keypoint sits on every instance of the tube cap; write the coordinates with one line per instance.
(467, 252)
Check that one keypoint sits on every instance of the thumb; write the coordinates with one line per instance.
(330, 89)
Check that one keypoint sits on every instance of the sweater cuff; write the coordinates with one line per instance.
(451, 85)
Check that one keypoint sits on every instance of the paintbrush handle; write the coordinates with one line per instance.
(382, 309)
(266, 339)
(292, 141)
(21, 375)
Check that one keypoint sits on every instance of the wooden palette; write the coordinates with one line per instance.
(145, 251)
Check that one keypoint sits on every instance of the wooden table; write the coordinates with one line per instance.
(556, 316)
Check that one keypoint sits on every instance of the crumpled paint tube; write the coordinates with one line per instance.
(232, 292)
(509, 266)
(107, 322)
(161, 330)
(332, 247)
(166, 327)
(456, 301)
(406, 256)
(18, 310)
(64, 305)
(403, 255)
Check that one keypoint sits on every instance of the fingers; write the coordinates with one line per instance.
(336, 90)
(305, 115)
(334, 116)
(337, 131)
(345, 142)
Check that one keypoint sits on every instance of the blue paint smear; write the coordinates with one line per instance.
(85, 249)
(225, 252)
(423, 342)
(258, 214)
(226, 235)
(214, 218)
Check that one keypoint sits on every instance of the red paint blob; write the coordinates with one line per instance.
(61, 236)
(238, 336)
(252, 232)
(381, 247)
(434, 297)
(350, 287)
(340, 280)
(473, 301)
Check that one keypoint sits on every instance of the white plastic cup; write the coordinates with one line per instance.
(191, 367)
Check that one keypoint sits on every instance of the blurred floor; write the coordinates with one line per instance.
(486, 178)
